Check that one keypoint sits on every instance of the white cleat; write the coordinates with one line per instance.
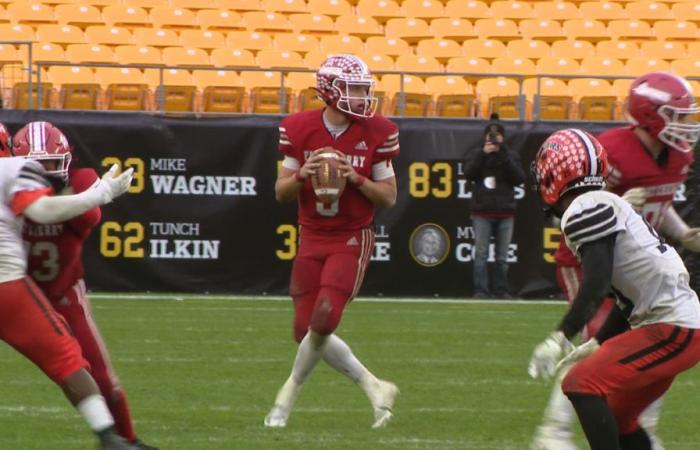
(553, 439)
(287, 395)
(382, 395)
(277, 417)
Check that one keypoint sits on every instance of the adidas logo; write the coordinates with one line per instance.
(352, 241)
(361, 146)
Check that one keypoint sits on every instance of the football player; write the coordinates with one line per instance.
(654, 335)
(337, 239)
(55, 261)
(28, 322)
(649, 160)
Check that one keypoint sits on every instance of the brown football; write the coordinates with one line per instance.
(328, 182)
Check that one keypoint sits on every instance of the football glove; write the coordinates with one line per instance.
(110, 186)
(691, 240)
(636, 197)
(582, 351)
(547, 354)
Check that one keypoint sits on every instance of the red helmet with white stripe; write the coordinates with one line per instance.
(345, 82)
(568, 159)
(663, 105)
(42, 141)
(5, 142)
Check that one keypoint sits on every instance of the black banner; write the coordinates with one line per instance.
(201, 215)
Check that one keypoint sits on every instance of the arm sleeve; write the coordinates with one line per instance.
(597, 259)
(81, 180)
(590, 224)
(57, 209)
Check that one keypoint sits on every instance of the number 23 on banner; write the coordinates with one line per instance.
(138, 183)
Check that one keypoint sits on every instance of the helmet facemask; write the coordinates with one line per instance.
(355, 97)
(63, 160)
(681, 131)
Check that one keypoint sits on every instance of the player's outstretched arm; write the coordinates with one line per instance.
(55, 209)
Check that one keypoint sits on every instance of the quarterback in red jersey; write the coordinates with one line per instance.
(336, 239)
(649, 161)
(55, 261)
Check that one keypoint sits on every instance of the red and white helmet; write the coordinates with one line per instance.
(568, 159)
(663, 105)
(334, 80)
(42, 141)
(5, 142)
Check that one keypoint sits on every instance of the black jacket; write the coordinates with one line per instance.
(502, 167)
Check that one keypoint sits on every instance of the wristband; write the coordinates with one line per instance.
(298, 177)
(360, 180)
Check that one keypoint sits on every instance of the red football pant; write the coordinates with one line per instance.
(30, 325)
(75, 308)
(635, 368)
(569, 279)
(327, 274)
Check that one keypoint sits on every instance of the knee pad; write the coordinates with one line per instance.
(328, 311)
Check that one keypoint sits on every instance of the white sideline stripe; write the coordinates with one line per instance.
(456, 301)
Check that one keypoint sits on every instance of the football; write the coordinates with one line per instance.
(328, 182)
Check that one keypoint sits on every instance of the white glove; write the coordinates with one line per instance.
(636, 197)
(691, 240)
(582, 351)
(110, 186)
(546, 355)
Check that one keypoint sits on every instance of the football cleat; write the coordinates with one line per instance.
(548, 438)
(277, 417)
(382, 396)
(138, 443)
(112, 441)
(284, 402)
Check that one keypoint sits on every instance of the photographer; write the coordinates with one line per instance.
(495, 171)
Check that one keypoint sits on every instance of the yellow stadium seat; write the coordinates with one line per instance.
(102, 34)
(410, 30)
(21, 95)
(642, 65)
(424, 9)
(219, 19)
(556, 10)
(528, 48)
(595, 97)
(544, 29)
(342, 44)
(676, 29)
(440, 49)
(80, 2)
(156, 37)
(205, 39)
(148, 4)
(689, 67)
(630, 29)
(186, 56)
(223, 90)
(138, 54)
(194, 4)
(331, 8)
(416, 98)
(572, 48)
(265, 21)
(4, 17)
(557, 66)
(273, 58)
(484, 48)
(648, 11)
(236, 57)
(456, 29)
(126, 16)
(360, 26)
(79, 90)
(501, 29)
(165, 16)
(125, 88)
(60, 34)
(380, 10)
(693, 49)
(315, 58)
(47, 52)
(621, 88)
(9, 54)
(455, 97)
(510, 65)
(301, 43)
(241, 5)
(387, 46)
(302, 85)
(311, 23)
(687, 11)
(468, 64)
(603, 11)
(550, 99)
(286, 6)
(601, 66)
(695, 86)
(248, 40)
(378, 62)
(17, 32)
(79, 15)
(177, 92)
(170, 77)
(30, 13)
(511, 10)
(585, 29)
(265, 93)
(414, 63)
(95, 53)
(616, 49)
(500, 95)
(663, 49)
(471, 9)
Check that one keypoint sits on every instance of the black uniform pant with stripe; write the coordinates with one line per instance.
(635, 368)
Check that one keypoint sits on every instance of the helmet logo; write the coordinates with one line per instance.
(652, 93)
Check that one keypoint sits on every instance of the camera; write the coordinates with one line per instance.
(492, 137)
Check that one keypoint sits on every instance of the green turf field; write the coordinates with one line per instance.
(202, 373)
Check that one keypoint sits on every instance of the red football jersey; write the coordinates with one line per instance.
(366, 143)
(55, 252)
(631, 166)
